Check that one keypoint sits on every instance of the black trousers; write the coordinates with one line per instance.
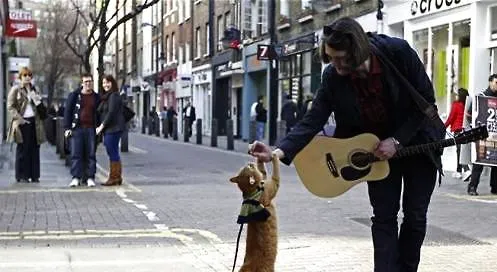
(476, 173)
(28, 153)
(396, 251)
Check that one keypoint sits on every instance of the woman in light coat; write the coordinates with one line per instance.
(26, 127)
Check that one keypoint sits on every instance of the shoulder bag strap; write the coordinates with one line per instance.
(425, 107)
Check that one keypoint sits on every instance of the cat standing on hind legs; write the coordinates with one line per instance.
(259, 213)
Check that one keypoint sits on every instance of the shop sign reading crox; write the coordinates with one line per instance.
(421, 7)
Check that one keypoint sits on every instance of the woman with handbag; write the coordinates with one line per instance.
(26, 128)
(111, 109)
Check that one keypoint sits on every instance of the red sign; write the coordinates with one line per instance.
(21, 28)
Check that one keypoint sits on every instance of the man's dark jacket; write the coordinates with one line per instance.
(70, 109)
(337, 94)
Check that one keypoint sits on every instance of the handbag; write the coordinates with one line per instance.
(128, 113)
(42, 111)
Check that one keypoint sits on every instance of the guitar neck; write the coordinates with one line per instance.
(422, 148)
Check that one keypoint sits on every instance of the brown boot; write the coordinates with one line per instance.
(114, 174)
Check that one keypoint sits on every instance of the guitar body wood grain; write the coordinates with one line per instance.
(314, 172)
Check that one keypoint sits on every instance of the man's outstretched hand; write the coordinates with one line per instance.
(260, 151)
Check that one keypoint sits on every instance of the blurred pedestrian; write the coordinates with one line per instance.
(80, 121)
(289, 113)
(189, 117)
(113, 124)
(455, 122)
(260, 118)
(171, 113)
(25, 105)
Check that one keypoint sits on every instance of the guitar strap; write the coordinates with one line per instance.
(429, 110)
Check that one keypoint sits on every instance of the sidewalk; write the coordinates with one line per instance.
(222, 141)
(53, 172)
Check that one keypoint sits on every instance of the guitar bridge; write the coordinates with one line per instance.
(331, 165)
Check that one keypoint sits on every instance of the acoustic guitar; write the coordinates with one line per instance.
(328, 166)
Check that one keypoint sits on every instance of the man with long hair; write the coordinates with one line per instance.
(367, 95)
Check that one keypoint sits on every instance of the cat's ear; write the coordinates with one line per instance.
(234, 179)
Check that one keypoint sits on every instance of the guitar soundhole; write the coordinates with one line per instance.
(360, 159)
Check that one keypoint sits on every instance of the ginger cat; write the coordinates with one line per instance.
(262, 233)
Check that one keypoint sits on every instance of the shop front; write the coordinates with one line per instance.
(300, 69)
(255, 84)
(166, 97)
(452, 39)
(202, 95)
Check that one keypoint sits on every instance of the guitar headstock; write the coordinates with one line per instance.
(472, 135)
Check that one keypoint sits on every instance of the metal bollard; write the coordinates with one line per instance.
(150, 124)
(186, 131)
(230, 145)
(252, 131)
(57, 134)
(124, 138)
(60, 138)
(214, 133)
(144, 124)
(157, 127)
(199, 131)
(175, 128)
(165, 128)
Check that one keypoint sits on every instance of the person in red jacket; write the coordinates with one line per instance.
(455, 121)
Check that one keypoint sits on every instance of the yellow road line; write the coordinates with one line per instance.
(124, 187)
(86, 234)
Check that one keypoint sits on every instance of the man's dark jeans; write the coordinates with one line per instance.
(396, 251)
(83, 146)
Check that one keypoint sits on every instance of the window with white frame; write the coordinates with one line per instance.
(227, 19)
(306, 4)
(180, 54)
(219, 32)
(247, 19)
(285, 8)
(187, 9)
(197, 40)
(207, 38)
(173, 47)
(168, 49)
(187, 52)
(262, 17)
(181, 11)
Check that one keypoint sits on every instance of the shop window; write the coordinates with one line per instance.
(493, 23)
(493, 61)
(306, 62)
(460, 56)
(439, 59)
(420, 43)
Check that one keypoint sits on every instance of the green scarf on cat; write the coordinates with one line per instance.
(252, 209)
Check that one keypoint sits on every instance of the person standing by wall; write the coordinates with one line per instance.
(478, 168)
(260, 118)
(289, 113)
(26, 128)
(111, 112)
(80, 121)
(189, 116)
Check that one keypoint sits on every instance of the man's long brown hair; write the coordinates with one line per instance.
(346, 34)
